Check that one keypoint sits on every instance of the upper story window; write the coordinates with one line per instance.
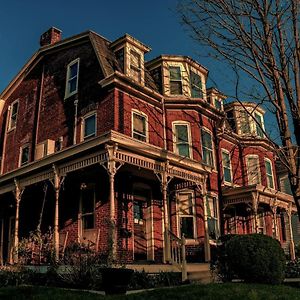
(260, 126)
(207, 148)
(218, 104)
(244, 123)
(135, 66)
(24, 155)
(253, 170)
(89, 126)
(196, 85)
(182, 139)
(175, 80)
(269, 173)
(186, 214)
(13, 115)
(139, 126)
(226, 166)
(72, 78)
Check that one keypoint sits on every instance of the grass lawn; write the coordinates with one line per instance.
(212, 291)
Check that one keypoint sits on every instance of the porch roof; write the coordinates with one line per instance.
(247, 194)
(93, 152)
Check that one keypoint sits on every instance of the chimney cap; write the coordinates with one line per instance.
(51, 36)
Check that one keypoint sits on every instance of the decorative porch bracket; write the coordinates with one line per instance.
(57, 182)
(112, 168)
(18, 195)
(292, 244)
(164, 179)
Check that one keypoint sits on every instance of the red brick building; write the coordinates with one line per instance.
(108, 149)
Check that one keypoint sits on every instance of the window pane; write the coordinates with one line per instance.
(175, 87)
(268, 167)
(175, 73)
(196, 85)
(25, 155)
(183, 150)
(244, 120)
(181, 133)
(72, 85)
(139, 123)
(138, 210)
(73, 70)
(187, 227)
(206, 139)
(90, 126)
(227, 175)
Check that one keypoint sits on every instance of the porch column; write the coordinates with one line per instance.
(112, 169)
(274, 212)
(165, 179)
(292, 244)
(18, 195)
(57, 182)
(255, 196)
(207, 254)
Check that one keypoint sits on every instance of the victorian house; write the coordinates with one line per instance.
(111, 150)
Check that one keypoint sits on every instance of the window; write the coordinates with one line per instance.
(226, 166)
(138, 211)
(13, 115)
(135, 66)
(186, 214)
(175, 81)
(24, 155)
(218, 104)
(260, 126)
(196, 85)
(212, 217)
(72, 78)
(261, 227)
(139, 126)
(120, 58)
(182, 139)
(207, 148)
(253, 170)
(89, 126)
(269, 173)
(88, 207)
(244, 121)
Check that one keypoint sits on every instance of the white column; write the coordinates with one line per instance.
(292, 244)
(207, 254)
(56, 185)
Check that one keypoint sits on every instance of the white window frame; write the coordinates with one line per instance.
(259, 171)
(193, 215)
(185, 123)
(191, 85)
(90, 114)
(181, 79)
(10, 126)
(212, 144)
(230, 166)
(256, 125)
(67, 93)
(21, 153)
(273, 181)
(216, 210)
(142, 114)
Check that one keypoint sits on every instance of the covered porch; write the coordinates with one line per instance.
(258, 209)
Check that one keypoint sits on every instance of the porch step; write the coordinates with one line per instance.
(199, 273)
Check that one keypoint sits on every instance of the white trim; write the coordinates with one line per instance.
(86, 116)
(193, 215)
(67, 93)
(258, 166)
(230, 167)
(142, 114)
(185, 123)
(271, 165)
(10, 110)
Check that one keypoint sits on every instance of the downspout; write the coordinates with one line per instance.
(164, 124)
(75, 121)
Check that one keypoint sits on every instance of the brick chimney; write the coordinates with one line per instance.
(50, 37)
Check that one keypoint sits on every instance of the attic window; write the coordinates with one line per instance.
(175, 81)
(196, 85)
(135, 66)
(72, 78)
(120, 58)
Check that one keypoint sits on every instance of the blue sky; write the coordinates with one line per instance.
(155, 23)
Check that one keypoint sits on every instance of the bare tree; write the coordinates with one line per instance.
(259, 38)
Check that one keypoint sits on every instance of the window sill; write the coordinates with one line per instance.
(70, 95)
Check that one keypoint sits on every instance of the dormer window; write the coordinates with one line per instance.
(251, 124)
(218, 104)
(13, 115)
(259, 125)
(72, 78)
(244, 122)
(175, 80)
(120, 58)
(196, 85)
(135, 66)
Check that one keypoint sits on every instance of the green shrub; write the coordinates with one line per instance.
(256, 258)
(293, 269)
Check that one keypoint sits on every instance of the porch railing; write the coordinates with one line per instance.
(177, 253)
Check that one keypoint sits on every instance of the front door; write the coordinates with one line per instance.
(142, 225)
